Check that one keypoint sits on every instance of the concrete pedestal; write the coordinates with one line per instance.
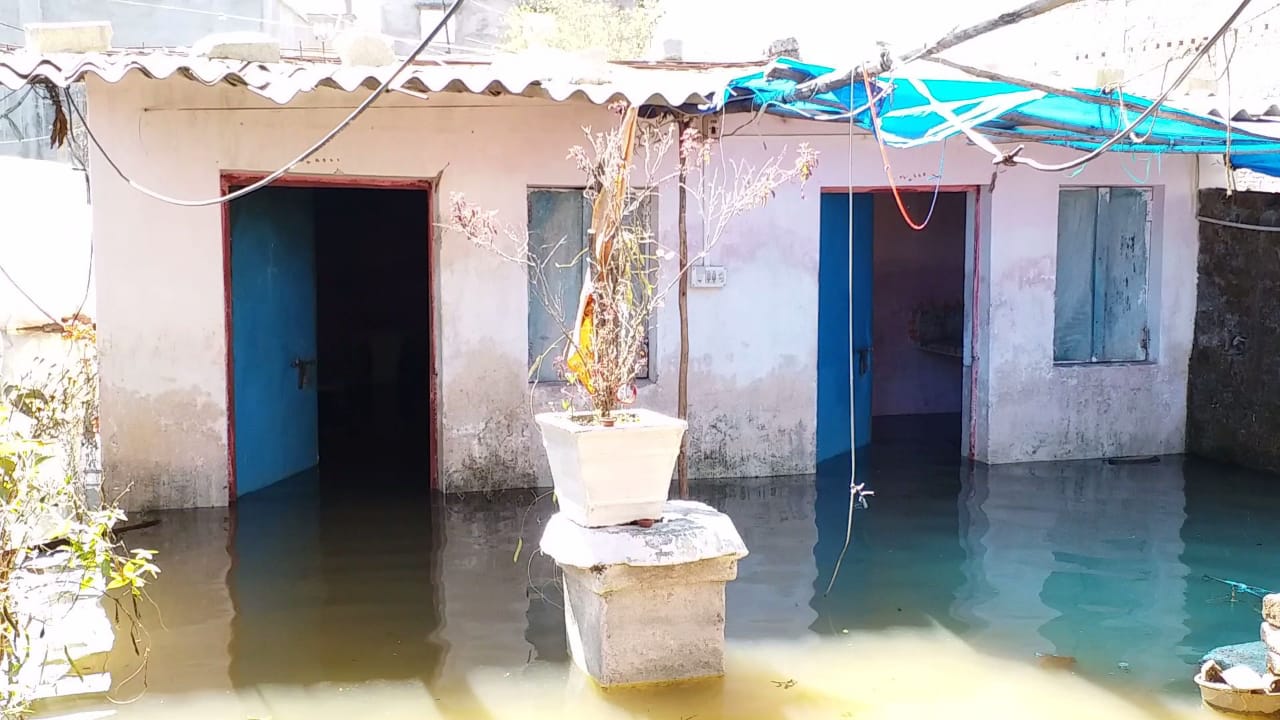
(646, 605)
(1271, 631)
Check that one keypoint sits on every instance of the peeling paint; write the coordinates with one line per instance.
(169, 450)
(753, 342)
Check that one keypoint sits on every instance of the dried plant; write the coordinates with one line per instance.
(603, 342)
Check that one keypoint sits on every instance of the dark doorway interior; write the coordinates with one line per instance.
(917, 318)
(373, 328)
(336, 456)
(896, 327)
(331, 335)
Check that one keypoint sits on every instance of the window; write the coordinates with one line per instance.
(559, 220)
(1100, 297)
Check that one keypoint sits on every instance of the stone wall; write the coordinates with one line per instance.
(1233, 409)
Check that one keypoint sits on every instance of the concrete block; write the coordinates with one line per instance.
(364, 49)
(242, 46)
(1271, 637)
(71, 37)
(1108, 76)
(1253, 654)
(666, 625)
(1271, 609)
(688, 532)
(647, 605)
(67, 626)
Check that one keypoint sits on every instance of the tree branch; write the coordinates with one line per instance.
(834, 80)
(1072, 94)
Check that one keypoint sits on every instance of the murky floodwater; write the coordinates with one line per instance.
(338, 596)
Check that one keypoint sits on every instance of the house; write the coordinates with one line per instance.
(994, 315)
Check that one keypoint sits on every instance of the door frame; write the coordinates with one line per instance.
(230, 179)
(974, 313)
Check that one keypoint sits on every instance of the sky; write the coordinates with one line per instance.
(828, 32)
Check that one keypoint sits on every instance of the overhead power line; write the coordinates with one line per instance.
(1153, 109)
(325, 140)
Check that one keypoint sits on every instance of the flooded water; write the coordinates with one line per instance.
(341, 595)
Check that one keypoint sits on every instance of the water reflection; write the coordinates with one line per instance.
(334, 583)
(775, 516)
(349, 593)
(1079, 560)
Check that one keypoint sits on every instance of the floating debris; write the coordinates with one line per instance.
(1055, 662)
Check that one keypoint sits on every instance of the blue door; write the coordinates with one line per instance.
(841, 338)
(273, 328)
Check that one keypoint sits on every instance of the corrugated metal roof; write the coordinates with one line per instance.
(1237, 108)
(550, 76)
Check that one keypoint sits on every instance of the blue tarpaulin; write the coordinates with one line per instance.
(913, 112)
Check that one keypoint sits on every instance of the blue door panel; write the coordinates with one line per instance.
(273, 324)
(840, 337)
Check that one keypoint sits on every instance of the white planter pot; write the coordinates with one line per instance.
(612, 475)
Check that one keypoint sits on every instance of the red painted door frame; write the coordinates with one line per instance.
(978, 198)
(231, 180)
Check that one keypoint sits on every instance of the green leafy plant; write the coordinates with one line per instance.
(48, 446)
(624, 33)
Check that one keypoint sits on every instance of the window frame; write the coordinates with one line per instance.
(647, 375)
(1150, 297)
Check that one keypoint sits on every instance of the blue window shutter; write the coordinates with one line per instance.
(1120, 326)
(1074, 279)
(558, 223)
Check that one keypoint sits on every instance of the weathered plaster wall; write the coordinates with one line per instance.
(1028, 408)
(1233, 402)
(1042, 411)
(753, 342)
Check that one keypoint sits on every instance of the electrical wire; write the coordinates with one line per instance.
(853, 400)
(1013, 158)
(88, 281)
(26, 90)
(888, 169)
(26, 295)
(1239, 226)
(329, 136)
(1226, 157)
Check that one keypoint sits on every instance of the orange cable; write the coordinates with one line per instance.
(888, 170)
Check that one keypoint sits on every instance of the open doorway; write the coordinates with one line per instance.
(904, 343)
(329, 314)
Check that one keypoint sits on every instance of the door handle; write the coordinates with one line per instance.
(304, 374)
(864, 360)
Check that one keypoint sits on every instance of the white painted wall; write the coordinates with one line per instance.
(45, 248)
(753, 342)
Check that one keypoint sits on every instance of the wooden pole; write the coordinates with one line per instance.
(835, 80)
(1188, 118)
(682, 393)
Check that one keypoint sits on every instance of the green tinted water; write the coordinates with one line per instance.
(340, 597)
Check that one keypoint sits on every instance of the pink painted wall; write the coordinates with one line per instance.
(913, 267)
(753, 342)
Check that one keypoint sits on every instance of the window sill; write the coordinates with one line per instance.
(1104, 363)
(641, 383)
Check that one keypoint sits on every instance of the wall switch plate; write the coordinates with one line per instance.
(707, 276)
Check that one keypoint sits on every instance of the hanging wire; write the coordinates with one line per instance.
(329, 136)
(1148, 112)
(888, 169)
(1231, 176)
(857, 492)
